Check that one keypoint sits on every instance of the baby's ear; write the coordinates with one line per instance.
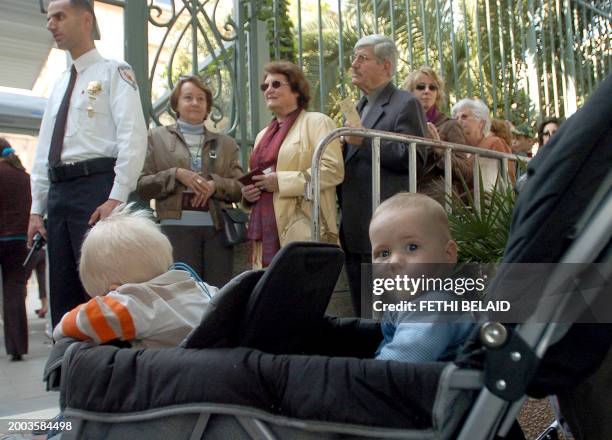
(451, 251)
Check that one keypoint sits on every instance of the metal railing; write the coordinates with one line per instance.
(313, 188)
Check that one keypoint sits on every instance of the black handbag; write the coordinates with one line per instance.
(234, 225)
(234, 219)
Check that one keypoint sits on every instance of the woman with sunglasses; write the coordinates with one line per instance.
(428, 87)
(281, 163)
(191, 173)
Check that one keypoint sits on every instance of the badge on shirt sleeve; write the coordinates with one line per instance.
(127, 74)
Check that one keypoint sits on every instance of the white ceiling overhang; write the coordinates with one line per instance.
(25, 43)
(20, 113)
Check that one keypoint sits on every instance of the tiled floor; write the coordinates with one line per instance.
(22, 391)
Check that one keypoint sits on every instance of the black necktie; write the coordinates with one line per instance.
(57, 139)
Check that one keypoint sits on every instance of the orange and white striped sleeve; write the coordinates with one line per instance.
(101, 319)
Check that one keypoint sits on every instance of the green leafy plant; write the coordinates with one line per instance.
(481, 235)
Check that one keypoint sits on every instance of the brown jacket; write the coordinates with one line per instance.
(432, 182)
(15, 200)
(167, 151)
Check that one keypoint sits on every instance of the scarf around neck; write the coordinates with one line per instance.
(432, 114)
(262, 223)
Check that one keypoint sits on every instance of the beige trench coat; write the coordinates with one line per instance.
(293, 213)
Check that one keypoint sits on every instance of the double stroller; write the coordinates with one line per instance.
(266, 363)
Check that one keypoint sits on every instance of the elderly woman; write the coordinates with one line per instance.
(283, 154)
(473, 115)
(15, 204)
(428, 87)
(191, 173)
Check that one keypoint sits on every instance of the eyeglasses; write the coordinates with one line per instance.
(274, 84)
(423, 86)
(360, 59)
(462, 116)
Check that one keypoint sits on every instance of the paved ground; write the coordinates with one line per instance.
(22, 391)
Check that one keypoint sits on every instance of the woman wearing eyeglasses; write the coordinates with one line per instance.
(191, 173)
(474, 117)
(428, 87)
(283, 154)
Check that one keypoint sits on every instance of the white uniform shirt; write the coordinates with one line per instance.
(107, 122)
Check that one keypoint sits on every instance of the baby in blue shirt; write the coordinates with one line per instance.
(409, 229)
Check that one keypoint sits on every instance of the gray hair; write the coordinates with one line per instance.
(384, 48)
(479, 109)
(125, 247)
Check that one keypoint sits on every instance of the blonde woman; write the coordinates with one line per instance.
(428, 87)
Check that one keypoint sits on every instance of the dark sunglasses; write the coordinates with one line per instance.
(274, 84)
(422, 86)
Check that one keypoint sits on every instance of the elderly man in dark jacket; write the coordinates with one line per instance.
(383, 107)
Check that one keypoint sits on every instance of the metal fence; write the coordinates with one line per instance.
(525, 58)
(313, 188)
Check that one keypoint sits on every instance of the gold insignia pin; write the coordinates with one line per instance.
(93, 90)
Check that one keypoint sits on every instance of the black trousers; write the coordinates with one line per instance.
(12, 254)
(70, 205)
(352, 264)
(202, 248)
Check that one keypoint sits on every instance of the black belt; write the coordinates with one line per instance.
(69, 171)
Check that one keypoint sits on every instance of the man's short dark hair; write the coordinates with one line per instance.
(87, 5)
(83, 4)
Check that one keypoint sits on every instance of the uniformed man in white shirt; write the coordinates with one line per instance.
(91, 149)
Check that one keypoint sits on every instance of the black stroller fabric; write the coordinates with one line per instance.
(112, 380)
(218, 328)
(562, 180)
(292, 298)
(276, 310)
(345, 390)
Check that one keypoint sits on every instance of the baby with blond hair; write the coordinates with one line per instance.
(125, 267)
(410, 230)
